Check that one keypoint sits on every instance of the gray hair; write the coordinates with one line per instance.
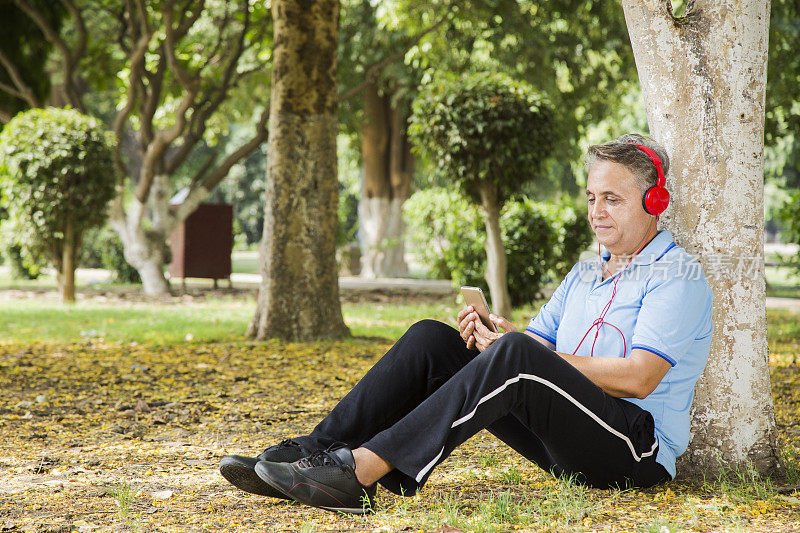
(622, 151)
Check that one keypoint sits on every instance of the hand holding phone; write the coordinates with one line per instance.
(474, 296)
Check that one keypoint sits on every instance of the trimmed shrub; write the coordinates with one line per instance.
(56, 176)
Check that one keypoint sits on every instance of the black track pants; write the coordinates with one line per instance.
(429, 393)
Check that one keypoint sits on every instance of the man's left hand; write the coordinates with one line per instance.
(484, 337)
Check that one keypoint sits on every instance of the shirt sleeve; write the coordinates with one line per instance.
(675, 312)
(545, 324)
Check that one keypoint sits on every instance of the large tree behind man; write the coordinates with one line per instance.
(299, 294)
(703, 77)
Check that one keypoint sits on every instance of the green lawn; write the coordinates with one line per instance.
(244, 262)
(216, 319)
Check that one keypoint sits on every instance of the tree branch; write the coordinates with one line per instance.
(5, 115)
(198, 177)
(375, 69)
(201, 189)
(137, 66)
(153, 96)
(171, 38)
(210, 101)
(185, 23)
(159, 145)
(82, 33)
(23, 90)
(69, 60)
(219, 173)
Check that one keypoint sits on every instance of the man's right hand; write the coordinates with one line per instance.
(466, 325)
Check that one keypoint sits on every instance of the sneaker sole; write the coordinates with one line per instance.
(359, 511)
(247, 480)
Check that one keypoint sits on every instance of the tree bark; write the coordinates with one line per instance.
(145, 249)
(375, 188)
(66, 277)
(703, 77)
(401, 176)
(388, 172)
(496, 267)
(299, 293)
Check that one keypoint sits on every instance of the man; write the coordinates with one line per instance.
(598, 386)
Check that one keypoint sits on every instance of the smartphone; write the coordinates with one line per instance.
(474, 297)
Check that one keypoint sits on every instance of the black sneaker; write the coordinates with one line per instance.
(240, 470)
(325, 479)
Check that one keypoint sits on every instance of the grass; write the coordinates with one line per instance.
(124, 496)
(782, 281)
(561, 505)
(244, 262)
(36, 321)
(216, 319)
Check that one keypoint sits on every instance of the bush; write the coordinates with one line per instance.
(490, 135)
(57, 176)
(790, 215)
(23, 265)
(103, 249)
(542, 241)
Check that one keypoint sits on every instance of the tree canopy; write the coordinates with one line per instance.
(483, 127)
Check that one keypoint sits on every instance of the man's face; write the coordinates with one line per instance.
(616, 214)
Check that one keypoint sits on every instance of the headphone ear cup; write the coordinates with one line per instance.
(655, 200)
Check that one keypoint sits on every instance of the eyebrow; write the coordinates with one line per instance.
(588, 192)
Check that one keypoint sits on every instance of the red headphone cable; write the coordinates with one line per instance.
(600, 321)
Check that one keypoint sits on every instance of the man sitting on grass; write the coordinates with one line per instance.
(598, 386)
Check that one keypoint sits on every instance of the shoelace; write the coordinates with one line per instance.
(288, 443)
(324, 458)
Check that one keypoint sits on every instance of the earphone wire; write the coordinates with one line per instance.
(600, 321)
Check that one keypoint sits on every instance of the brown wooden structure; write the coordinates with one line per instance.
(202, 244)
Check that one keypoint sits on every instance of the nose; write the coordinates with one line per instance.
(598, 209)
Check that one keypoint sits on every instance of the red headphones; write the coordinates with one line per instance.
(655, 199)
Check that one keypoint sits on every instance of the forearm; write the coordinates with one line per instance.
(618, 377)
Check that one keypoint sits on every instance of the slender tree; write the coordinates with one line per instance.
(703, 78)
(299, 293)
(489, 135)
(388, 175)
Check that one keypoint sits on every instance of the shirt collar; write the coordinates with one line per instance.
(651, 253)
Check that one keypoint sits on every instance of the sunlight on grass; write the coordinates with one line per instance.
(34, 321)
(391, 320)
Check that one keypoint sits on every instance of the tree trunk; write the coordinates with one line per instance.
(299, 293)
(388, 171)
(66, 277)
(151, 270)
(703, 78)
(496, 267)
(401, 176)
(145, 250)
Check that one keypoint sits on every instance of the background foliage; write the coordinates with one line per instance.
(482, 128)
(543, 240)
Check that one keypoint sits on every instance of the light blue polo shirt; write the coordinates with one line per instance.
(663, 305)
